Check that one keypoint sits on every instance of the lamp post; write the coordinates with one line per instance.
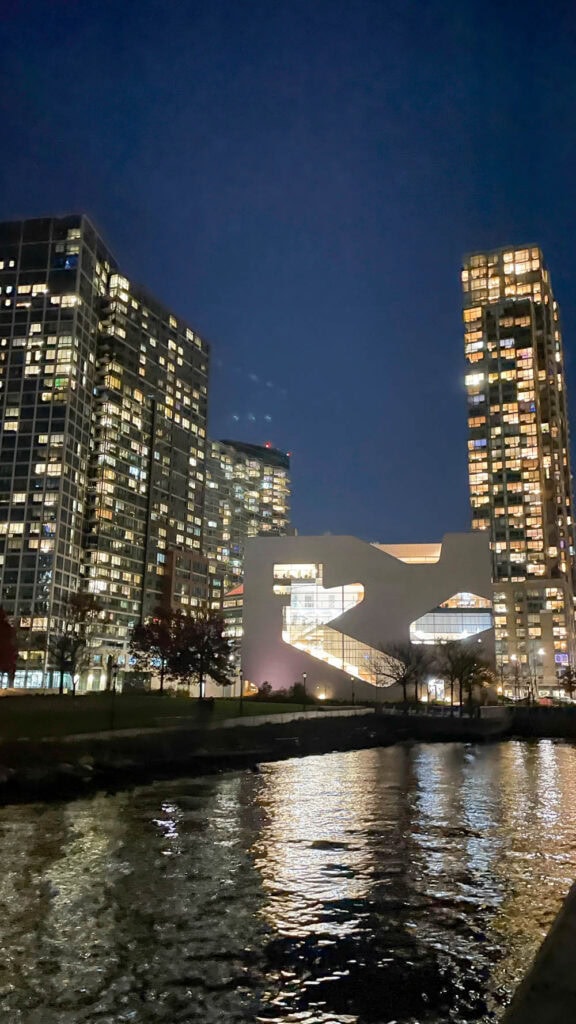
(352, 680)
(111, 677)
(541, 653)
(304, 678)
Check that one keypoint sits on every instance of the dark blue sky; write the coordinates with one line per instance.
(300, 180)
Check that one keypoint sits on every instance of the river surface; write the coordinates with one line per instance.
(405, 884)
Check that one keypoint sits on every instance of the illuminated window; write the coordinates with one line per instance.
(449, 623)
(466, 600)
(307, 618)
(299, 571)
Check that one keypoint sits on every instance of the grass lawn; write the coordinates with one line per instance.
(41, 716)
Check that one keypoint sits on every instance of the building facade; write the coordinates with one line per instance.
(519, 459)
(102, 442)
(247, 494)
(321, 608)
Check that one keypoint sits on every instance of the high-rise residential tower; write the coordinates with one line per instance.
(519, 459)
(247, 494)
(103, 397)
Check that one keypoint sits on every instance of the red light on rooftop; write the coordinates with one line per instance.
(268, 444)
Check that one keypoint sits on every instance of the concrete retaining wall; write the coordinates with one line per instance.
(548, 993)
(542, 722)
(291, 716)
(63, 767)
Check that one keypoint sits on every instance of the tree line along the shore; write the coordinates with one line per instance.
(184, 649)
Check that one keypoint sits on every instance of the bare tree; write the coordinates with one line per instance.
(67, 649)
(568, 680)
(8, 648)
(447, 660)
(404, 664)
(65, 652)
(459, 663)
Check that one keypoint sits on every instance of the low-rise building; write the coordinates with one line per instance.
(321, 609)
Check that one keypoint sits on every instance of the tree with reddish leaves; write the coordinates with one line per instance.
(152, 642)
(8, 647)
(201, 650)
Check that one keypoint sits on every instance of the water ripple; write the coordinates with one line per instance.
(396, 886)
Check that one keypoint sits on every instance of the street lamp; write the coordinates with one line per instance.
(111, 677)
(541, 653)
(352, 680)
(304, 678)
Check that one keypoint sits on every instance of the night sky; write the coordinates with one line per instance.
(300, 180)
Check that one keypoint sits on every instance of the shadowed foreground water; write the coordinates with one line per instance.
(394, 885)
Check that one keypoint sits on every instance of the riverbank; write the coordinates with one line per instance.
(67, 766)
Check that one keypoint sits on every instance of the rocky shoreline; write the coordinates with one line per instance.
(62, 769)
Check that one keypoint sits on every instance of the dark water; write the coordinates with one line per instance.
(396, 885)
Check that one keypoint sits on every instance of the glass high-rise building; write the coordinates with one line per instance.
(247, 494)
(103, 396)
(519, 460)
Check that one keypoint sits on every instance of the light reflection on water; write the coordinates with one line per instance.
(408, 884)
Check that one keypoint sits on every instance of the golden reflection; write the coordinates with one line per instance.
(313, 852)
(326, 889)
(538, 862)
(25, 845)
(78, 927)
(64, 903)
(495, 828)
